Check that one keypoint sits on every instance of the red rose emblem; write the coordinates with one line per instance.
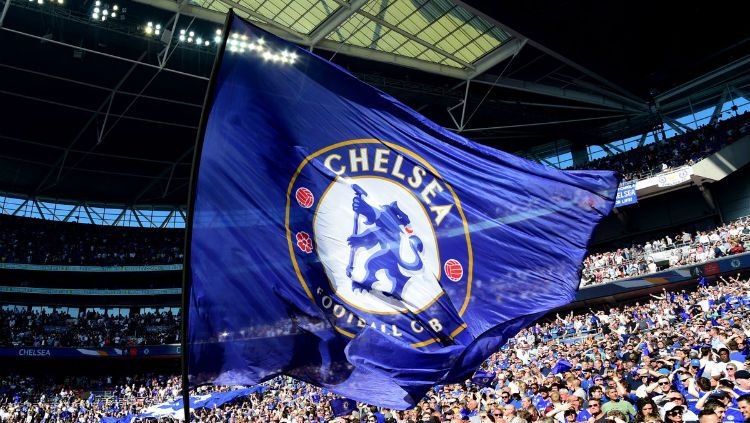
(304, 242)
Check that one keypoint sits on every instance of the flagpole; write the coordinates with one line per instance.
(186, 279)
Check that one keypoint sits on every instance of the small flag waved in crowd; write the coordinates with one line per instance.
(483, 378)
(343, 406)
(562, 366)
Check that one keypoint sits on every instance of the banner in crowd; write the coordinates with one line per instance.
(674, 177)
(155, 351)
(174, 409)
(626, 194)
(390, 254)
(106, 269)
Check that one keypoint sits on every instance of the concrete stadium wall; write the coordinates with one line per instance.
(684, 208)
(733, 195)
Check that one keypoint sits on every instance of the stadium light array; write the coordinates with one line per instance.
(103, 11)
(152, 29)
(238, 43)
(191, 37)
(51, 2)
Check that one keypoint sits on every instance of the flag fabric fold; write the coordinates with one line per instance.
(339, 237)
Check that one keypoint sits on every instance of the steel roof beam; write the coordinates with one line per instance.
(187, 9)
(593, 87)
(547, 51)
(381, 56)
(708, 77)
(97, 112)
(323, 43)
(99, 87)
(506, 50)
(61, 160)
(551, 91)
(344, 12)
(271, 25)
(705, 94)
(417, 40)
(101, 53)
(4, 12)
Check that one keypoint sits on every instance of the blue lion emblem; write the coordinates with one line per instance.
(388, 221)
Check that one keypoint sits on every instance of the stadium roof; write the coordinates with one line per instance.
(436, 36)
(108, 111)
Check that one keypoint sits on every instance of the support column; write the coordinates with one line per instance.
(709, 198)
(580, 156)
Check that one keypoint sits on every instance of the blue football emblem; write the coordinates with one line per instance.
(387, 241)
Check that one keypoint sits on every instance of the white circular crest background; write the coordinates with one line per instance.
(333, 224)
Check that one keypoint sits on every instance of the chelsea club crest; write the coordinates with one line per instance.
(378, 239)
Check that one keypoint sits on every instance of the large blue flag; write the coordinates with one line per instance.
(339, 237)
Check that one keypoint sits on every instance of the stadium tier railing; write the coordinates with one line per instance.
(65, 268)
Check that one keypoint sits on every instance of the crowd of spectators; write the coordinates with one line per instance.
(680, 150)
(37, 241)
(26, 328)
(668, 252)
(680, 356)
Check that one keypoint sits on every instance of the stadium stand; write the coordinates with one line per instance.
(46, 242)
(637, 362)
(680, 150)
(681, 249)
(26, 328)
